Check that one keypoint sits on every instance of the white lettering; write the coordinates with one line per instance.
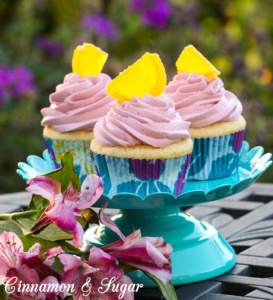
(87, 287)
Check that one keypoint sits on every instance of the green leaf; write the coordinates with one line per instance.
(10, 226)
(19, 223)
(126, 268)
(25, 224)
(38, 202)
(3, 294)
(167, 290)
(31, 214)
(30, 240)
(90, 216)
(66, 173)
(40, 212)
(82, 221)
(54, 233)
(58, 266)
(69, 248)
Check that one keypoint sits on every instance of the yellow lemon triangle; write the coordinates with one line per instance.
(88, 60)
(191, 60)
(145, 76)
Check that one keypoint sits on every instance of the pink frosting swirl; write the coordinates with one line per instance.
(202, 101)
(149, 120)
(78, 103)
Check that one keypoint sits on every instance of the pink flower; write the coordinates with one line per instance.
(17, 266)
(149, 254)
(90, 279)
(64, 207)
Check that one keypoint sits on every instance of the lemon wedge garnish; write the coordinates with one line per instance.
(191, 60)
(145, 76)
(88, 60)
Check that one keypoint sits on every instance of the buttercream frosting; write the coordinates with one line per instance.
(202, 101)
(149, 120)
(78, 103)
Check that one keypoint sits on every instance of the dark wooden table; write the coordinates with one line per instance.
(245, 220)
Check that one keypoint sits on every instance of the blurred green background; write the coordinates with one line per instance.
(37, 39)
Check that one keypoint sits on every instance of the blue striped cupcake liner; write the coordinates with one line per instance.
(216, 157)
(140, 176)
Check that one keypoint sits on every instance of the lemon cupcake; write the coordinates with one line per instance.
(78, 103)
(217, 126)
(142, 146)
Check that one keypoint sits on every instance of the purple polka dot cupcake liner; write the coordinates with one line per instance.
(140, 176)
(216, 157)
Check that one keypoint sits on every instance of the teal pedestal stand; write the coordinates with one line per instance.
(199, 251)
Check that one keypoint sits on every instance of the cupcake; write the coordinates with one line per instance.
(217, 126)
(142, 146)
(78, 103)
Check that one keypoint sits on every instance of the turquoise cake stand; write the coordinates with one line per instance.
(199, 251)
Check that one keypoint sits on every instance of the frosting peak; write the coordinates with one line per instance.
(149, 120)
(78, 103)
(202, 101)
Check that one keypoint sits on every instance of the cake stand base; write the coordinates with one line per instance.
(199, 251)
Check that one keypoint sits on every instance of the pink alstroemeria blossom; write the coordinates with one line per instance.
(64, 207)
(26, 267)
(90, 279)
(149, 254)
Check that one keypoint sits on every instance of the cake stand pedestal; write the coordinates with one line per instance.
(199, 251)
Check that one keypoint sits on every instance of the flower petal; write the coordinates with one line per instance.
(120, 244)
(50, 255)
(11, 242)
(91, 191)
(164, 274)
(63, 216)
(45, 187)
(90, 184)
(50, 281)
(143, 251)
(129, 295)
(102, 260)
(108, 222)
(75, 277)
(53, 252)
(71, 193)
(35, 249)
(165, 248)
(24, 273)
(141, 254)
(10, 249)
(78, 235)
(70, 262)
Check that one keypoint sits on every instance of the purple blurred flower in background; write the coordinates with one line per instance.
(15, 83)
(155, 13)
(49, 46)
(102, 25)
(189, 13)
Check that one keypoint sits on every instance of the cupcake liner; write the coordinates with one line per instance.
(216, 157)
(140, 176)
(80, 151)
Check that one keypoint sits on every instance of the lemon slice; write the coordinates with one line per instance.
(191, 60)
(88, 60)
(145, 76)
